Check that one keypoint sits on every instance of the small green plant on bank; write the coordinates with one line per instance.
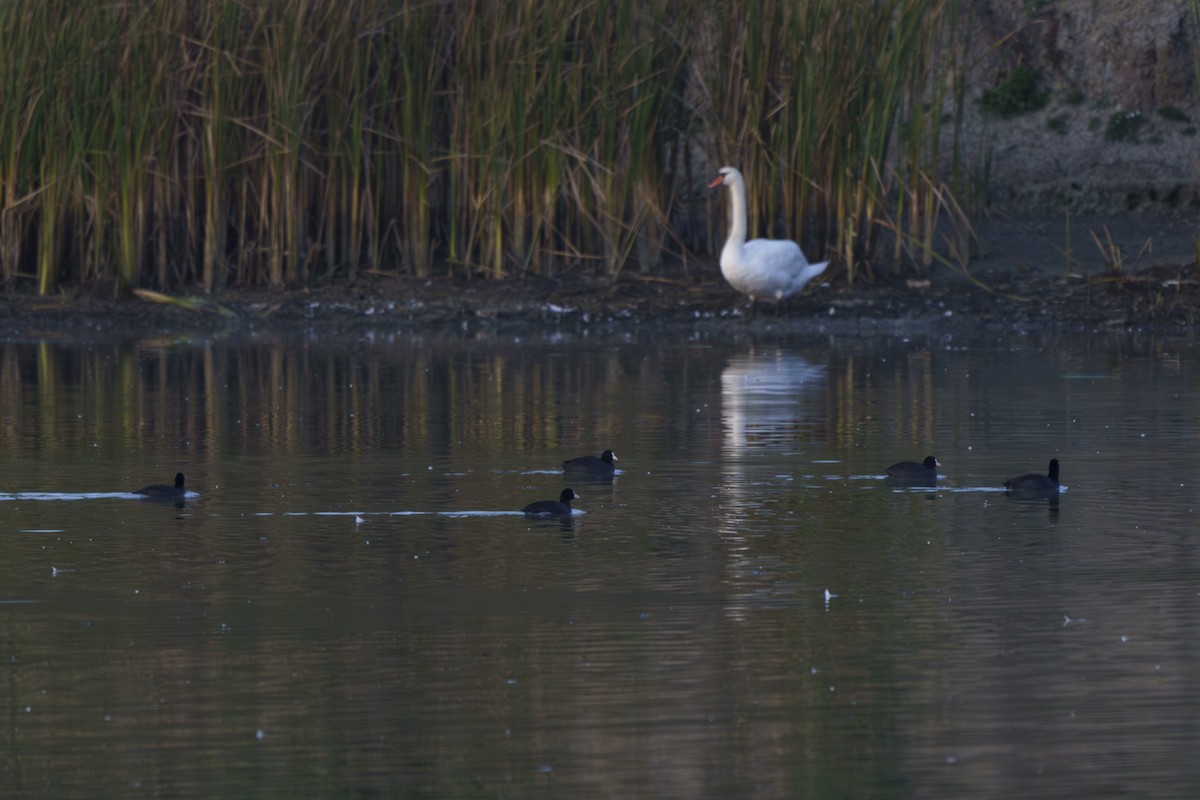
(1173, 114)
(1075, 97)
(1125, 126)
(1019, 92)
(1057, 124)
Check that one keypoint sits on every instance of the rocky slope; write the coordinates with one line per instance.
(1119, 82)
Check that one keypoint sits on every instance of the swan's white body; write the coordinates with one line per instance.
(772, 269)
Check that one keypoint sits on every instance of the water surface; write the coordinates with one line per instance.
(349, 604)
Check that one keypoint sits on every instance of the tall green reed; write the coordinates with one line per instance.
(134, 87)
(215, 74)
(147, 143)
(68, 123)
(287, 64)
(20, 65)
(416, 61)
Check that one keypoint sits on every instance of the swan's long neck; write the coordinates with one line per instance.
(737, 214)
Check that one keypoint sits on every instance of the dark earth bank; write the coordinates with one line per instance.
(1159, 299)
(1126, 273)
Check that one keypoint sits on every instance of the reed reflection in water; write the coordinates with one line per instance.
(351, 602)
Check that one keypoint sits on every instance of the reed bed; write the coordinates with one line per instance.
(229, 143)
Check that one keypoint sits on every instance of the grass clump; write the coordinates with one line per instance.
(1125, 126)
(1173, 114)
(1074, 97)
(1019, 92)
(1057, 124)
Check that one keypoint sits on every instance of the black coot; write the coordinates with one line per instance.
(559, 508)
(1035, 485)
(910, 473)
(162, 490)
(596, 466)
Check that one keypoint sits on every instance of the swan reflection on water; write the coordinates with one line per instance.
(764, 399)
(769, 402)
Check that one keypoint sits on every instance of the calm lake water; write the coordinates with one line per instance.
(347, 604)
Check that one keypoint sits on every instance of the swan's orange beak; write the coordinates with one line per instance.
(717, 181)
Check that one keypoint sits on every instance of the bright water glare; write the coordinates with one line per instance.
(348, 601)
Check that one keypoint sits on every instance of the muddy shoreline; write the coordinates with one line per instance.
(1022, 281)
(1162, 299)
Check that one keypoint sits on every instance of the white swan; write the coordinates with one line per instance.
(762, 268)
